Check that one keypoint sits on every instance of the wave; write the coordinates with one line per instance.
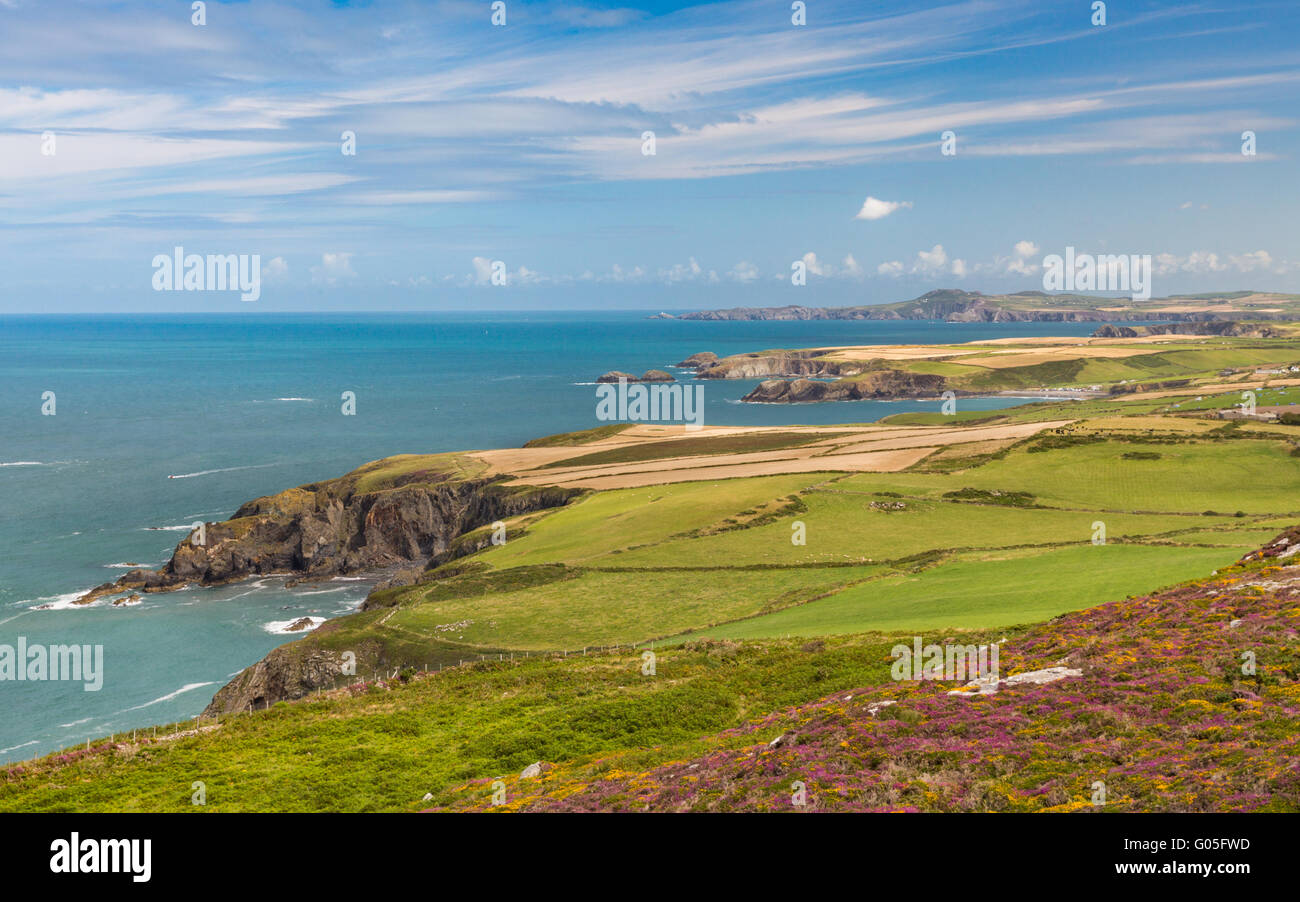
(323, 591)
(125, 566)
(20, 746)
(60, 602)
(188, 687)
(75, 723)
(281, 627)
(25, 463)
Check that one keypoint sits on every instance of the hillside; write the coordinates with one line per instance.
(957, 305)
(1159, 711)
(1185, 700)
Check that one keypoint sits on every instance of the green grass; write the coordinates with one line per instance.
(842, 528)
(581, 437)
(625, 518)
(1256, 476)
(594, 608)
(990, 590)
(405, 468)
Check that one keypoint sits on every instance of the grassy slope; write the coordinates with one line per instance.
(382, 747)
(1160, 711)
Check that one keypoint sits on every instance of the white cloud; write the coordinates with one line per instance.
(1251, 261)
(333, 267)
(874, 208)
(276, 269)
(932, 260)
(743, 271)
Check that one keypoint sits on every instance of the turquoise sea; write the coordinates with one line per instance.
(241, 406)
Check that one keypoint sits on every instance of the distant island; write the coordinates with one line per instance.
(958, 306)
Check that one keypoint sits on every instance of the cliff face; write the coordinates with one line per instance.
(761, 366)
(331, 529)
(875, 385)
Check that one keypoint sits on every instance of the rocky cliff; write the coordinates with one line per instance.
(874, 385)
(348, 525)
(780, 363)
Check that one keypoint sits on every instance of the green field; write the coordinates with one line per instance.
(1007, 541)
(988, 590)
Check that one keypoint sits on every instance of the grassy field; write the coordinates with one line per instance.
(988, 590)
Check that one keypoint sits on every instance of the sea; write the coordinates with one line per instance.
(159, 421)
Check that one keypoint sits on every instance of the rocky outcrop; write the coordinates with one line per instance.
(647, 376)
(877, 385)
(699, 361)
(284, 674)
(782, 363)
(329, 529)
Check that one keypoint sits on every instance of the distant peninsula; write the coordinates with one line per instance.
(959, 306)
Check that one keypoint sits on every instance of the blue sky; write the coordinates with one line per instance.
(523, 143)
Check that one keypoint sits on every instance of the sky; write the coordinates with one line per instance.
(127, 129)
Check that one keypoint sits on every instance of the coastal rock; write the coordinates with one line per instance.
(302, 623)
(700, 360)
(329, 529)
(873, 385)
(788, 363)
(647, 376)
